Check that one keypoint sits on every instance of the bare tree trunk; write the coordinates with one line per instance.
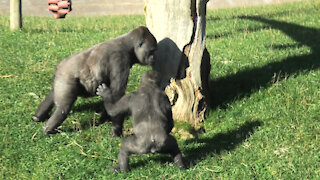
(15, 14)
(182, 58)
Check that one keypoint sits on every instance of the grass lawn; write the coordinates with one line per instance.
(264, 122)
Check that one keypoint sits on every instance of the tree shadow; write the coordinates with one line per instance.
(170, 61)
(208, 146)
(243, 83)
(84, 124)
(95, 106)
(220, 142)
(228, 34)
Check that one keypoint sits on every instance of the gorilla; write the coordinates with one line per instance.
(81, 73)
(152, 120)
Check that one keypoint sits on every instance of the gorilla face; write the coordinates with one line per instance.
(145, 50)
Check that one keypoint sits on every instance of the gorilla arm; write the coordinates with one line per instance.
(164, 110)
(120, 107)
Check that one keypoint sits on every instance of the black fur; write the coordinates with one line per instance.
(81, 73)
(152, 120)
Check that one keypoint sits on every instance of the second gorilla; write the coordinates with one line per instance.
(152, 120)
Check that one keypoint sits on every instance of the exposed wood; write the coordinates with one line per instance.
(182, 58)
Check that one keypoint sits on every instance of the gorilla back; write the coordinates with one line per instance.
(152, 120)
(81, 73)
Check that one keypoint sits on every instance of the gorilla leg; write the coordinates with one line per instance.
(43, 110)
(117, 125)
(171, 147)
(130, 145)
(64, 97)
(59, 115)
(103, 117)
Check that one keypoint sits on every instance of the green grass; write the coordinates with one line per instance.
(264, 120)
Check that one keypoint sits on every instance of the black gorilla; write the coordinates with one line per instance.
(152, 120)
(81, 73)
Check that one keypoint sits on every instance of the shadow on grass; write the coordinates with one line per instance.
(207, 146)
(220, 142)
(63, 30)
(96, 106)
(227, 89)
(229, 34)
(84, 124)
(242, 84)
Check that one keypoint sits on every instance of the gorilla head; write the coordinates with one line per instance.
(150, 77)
(145, 46)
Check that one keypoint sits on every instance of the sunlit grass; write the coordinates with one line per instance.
(265, 88)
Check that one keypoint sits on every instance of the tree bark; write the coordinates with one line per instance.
(181, 58)
(15, 14)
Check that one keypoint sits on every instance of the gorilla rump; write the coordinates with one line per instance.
(152, 120)
(81, 73)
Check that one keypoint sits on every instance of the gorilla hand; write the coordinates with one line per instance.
(104, 92)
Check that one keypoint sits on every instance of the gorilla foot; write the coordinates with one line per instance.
(116, 132)
(99, 122)
(117, 169)
(114, 169)
(38, 119)
(178, 161)
(46, 131)
(103, 119)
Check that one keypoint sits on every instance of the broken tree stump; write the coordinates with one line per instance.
(181, 58)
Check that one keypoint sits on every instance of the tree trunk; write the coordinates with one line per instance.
(15, 14)
(181, 57)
